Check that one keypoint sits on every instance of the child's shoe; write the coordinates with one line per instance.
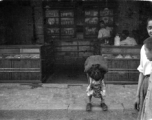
(104, 106)
(89, 107)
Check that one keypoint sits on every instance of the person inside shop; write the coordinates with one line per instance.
(144, 68)
(104, 33)
(95, 68)
(125, 39)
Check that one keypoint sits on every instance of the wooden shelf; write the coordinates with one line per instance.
(62, 15)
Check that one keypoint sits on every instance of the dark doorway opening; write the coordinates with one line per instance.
(67, 74)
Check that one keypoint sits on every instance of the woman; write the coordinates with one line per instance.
(145, 70)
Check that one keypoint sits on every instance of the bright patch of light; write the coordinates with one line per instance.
(148, 0)
(144, 0)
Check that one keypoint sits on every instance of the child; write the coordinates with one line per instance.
(95, 68)
(144, 69)
(145, 112)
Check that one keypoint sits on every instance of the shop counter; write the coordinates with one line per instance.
(122, 63)
(20, 63)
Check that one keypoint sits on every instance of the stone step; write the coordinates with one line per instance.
(67, 115)
(26, 101)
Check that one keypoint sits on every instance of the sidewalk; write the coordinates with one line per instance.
(64, 102)
(62, 97)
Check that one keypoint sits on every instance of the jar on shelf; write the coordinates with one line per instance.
(117, 40)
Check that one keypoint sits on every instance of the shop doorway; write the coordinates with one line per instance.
(67, 59)
(67, 74)
(73, 29)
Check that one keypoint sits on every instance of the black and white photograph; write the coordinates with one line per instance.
(75, 59)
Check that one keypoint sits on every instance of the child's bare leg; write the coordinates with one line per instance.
(88, 78)
(89, 105)
(102, 100)
(103, 105)
(90, 97)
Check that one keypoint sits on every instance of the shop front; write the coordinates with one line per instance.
(52, 39)
(73, 27)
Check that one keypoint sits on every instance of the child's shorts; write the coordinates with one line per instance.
(94, 94)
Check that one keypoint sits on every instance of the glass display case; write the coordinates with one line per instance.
(91, 23)
(20, 63)
(59, 23)
(92, 18)
(52, 29)
(123, 62)
(107, 16)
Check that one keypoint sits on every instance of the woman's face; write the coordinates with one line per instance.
(149, 28)
(148, 54)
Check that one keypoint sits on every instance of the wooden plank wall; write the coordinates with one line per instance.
(20, 65)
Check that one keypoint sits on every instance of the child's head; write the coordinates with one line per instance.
(148, 48)
(96, 72)
(149, 26)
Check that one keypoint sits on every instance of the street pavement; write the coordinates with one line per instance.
(64, 102)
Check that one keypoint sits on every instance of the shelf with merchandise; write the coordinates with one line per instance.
(60, 23)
